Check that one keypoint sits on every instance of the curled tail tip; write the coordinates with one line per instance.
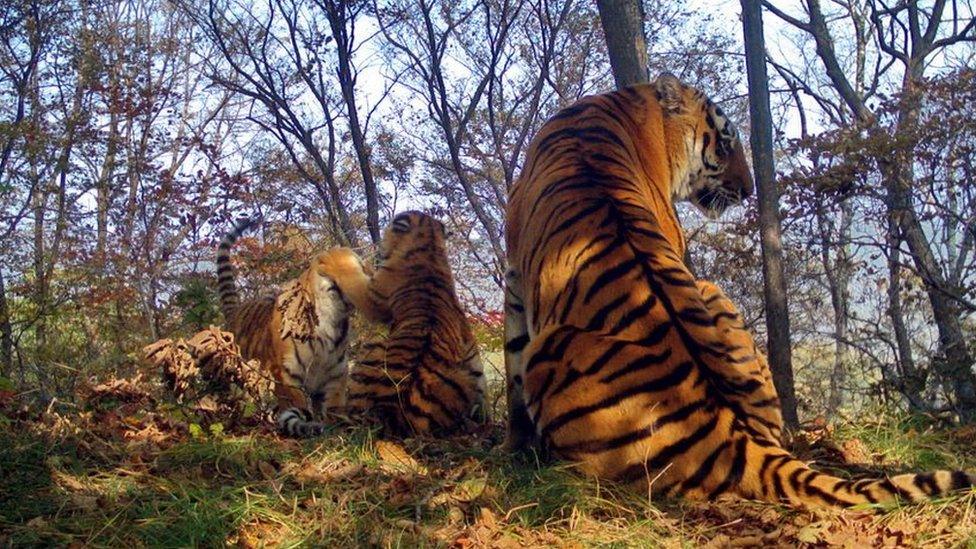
(245, 222)
(240, 227)
(936, 483)
(226, 285)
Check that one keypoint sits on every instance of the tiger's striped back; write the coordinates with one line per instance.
(249, 322)
(425, 377)
(617, 358)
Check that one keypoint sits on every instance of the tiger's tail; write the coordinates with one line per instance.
(298, 423)
(773, 474)
(226, 284)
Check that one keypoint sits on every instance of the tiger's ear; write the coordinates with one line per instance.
(401, 223)
(669, 89)
(443, 228)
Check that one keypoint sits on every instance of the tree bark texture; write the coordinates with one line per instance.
(838, 273)
(6, 333)
(623, 26)
(774, 281)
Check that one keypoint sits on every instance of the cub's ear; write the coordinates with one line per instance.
(443, 228)
(668, 89)
(401, 223)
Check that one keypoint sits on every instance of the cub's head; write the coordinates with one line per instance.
(319, 279)
(716, 174)
(412, 231)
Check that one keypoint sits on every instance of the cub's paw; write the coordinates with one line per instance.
(298, 423)
(341, 263)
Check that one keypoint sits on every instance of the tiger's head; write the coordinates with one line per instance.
(315, 289)
(715, 174)
(412, 231)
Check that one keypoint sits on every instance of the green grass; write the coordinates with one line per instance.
(87, 478)
(909, 442)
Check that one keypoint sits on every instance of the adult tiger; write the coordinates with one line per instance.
(616, 357)
(425, 377)
(300, 336)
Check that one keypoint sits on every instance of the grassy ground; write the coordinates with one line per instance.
(136, 471)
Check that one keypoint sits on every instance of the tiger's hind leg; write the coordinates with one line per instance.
(520, 432)
(475, 370)
(337, 386)
(375, 388)
(296, 410)
(747, 366)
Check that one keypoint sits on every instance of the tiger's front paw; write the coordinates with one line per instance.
(341, 263)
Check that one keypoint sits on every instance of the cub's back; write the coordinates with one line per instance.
(253, 325)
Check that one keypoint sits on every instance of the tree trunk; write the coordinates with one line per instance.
(623, 27)
(40, 285)
(774, 282)
(910, 381)
(338, 16)
(954, 363)
(103, 187)
(6, 333)
(838, 281)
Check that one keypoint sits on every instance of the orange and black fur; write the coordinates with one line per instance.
(425, 377)
(300, 336)
(616, 357)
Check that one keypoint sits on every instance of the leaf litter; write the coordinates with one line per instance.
(130, 465)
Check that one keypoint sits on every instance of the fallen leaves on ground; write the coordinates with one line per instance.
(350, 488)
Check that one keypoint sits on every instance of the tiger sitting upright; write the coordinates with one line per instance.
(300, 336)
(616, 357)
(425, 377)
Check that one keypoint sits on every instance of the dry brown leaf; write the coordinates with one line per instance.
(395, 459)
(507, 542)
(149, 433)
(469, 489)
(810, 533)
(455, 515)
(311, 472)
(717, 542)
(267, 470)
(487, 518)
(855, 451)
(207, 404)
(346, 471)
(746, 541)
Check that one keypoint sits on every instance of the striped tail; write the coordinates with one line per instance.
(226, 285)
(295, 422)
(775, 475)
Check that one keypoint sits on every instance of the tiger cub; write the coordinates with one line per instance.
(617, 359)
(425, 377)
(300, 336)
